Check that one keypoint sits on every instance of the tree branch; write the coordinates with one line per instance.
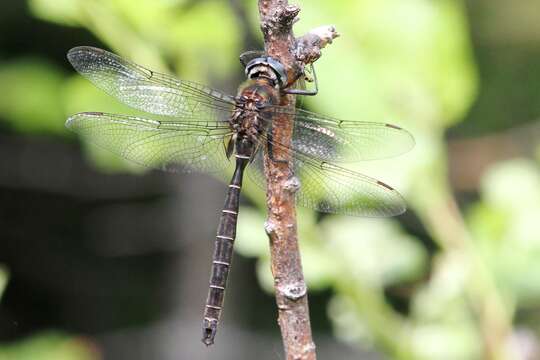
(277, 18)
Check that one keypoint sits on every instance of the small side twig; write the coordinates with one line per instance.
(277, 18)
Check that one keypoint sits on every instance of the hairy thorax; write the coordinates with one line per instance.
(253, 96)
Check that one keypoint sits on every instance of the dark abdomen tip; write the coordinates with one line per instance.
(209, 331)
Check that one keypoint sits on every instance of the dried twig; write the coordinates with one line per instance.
(277, 18)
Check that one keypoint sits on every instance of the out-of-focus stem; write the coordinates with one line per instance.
(447, 227)
(388, 327)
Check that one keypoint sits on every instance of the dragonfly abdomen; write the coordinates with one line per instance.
(223, 248)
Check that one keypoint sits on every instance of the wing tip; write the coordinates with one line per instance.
(74, 51)
(85, 48)
(412, 141)
(74, 54)
(70, 122)
(398, 204)
(395, 206)
(400, 210)
(395, 210)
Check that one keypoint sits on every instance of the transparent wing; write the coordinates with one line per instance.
(169, 146)
(329, 139)
(145, 89)
(332, 189)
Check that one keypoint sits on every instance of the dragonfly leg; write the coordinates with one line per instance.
(304, 91)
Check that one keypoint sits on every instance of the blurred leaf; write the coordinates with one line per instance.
(50, 346)
(65, 12)
(506, 226)
(374, 251)
(137, 32)
(488, 226)
(265, 275)
(205, 41)
(444, 327)
(446, 341)
(347, 325)
(197, 32)
(410, 59)
(442, 298)
(251, 240)
(31, 99)
(4, 278)
(513, 186)
(320, 269)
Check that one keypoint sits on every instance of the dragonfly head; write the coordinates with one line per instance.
(267, 67)
(261, 66)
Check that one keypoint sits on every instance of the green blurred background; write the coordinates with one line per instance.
(101, 259)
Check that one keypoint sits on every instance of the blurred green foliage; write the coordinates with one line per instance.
(35, 84)
(408, 63)
(4, 277)
(505, 226)
(50, 346)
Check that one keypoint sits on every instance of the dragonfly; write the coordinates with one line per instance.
(188, 127)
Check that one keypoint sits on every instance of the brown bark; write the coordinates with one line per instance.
(277, 18)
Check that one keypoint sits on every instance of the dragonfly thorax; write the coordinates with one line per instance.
(245, 124)
(257, 93)
(253, 96)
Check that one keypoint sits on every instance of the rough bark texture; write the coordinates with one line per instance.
(277, 18)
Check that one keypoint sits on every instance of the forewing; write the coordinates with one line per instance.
(145, 89)
(169, 146)
(330, 139)
(332, 189)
